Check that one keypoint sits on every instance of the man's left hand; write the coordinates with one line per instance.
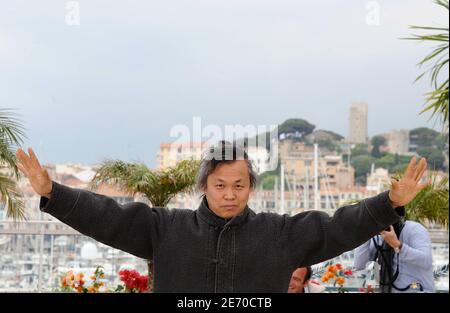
(390, 237)
(405, 190)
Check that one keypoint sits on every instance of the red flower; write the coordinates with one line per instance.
(348, 272)
(134, 281)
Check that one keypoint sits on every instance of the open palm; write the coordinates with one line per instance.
(404, 191)
(38, 176)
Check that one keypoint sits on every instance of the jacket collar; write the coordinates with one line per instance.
(211, 218)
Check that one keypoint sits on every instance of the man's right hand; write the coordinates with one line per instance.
(38, 176)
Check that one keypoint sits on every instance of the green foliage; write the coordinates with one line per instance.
(267, 179)
(359, 149)
(291, 126)
(335, 136)
(268, 182)
(434, 156)
(442, 142)
(437, 99)
(394, 163)
(387, 161)
(424, 137)
(11, 137)
(362, 165)
(377, 142)
(158, 186)
(431, 204)
(328, 144)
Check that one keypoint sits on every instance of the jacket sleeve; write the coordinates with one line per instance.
(364, 254)
(419, 251)
(134, 228)
(312, 237)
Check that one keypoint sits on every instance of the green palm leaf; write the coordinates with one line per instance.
(436, 100)
(11, 134)
(159, 187)
(11, 196)
(431, 204)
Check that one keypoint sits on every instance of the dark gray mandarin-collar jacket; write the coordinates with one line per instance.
(197, 251)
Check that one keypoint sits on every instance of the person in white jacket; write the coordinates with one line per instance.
(410, 259)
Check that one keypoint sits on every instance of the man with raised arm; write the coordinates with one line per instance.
(223, 246)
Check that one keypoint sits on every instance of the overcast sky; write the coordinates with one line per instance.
(114, 85)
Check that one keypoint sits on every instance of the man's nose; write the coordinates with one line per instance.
(229, 194)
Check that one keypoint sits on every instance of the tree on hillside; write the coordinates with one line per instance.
(377, 142)
(423, 137)
(296, 125)
(434, 156)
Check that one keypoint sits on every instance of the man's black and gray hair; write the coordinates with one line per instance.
(223, 152)
(308, 274)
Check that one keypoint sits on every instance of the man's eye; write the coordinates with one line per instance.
(219, 186)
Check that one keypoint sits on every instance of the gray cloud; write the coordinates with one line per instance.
(116, 84)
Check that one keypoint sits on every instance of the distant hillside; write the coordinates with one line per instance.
(301, 130)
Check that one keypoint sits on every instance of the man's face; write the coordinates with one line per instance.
(228, 189)
(297, 280)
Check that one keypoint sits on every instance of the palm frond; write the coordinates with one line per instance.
(132, 178)
(10, 195)
(431, 204)
(158, 186)
(172, 181)
(11, 136)
(10, 127)
(436, 101)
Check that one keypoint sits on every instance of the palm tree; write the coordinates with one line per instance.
(436, 100)
(431, 204)
(159, 187)
(11, 134)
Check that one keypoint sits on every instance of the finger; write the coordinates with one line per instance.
(22, 169)
(391, 228)
(34, 158)
(23, 158)
(421, 168)
(423, 185)
(411, 167)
